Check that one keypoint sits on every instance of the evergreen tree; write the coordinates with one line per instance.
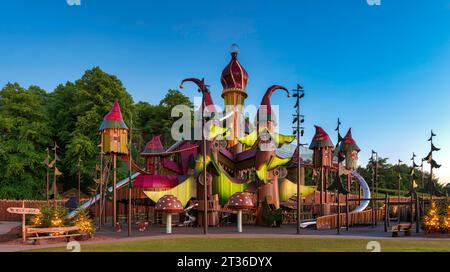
(24, 136)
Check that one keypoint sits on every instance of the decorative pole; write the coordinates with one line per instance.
(299, 93)
(79, 180)
(114, 196)
(55, 174)
(413, 189)
(399, 179)
(202, 88)
(101, 183)
(130, 183)
(337, 180)
(47, 164)
(374, 187)
(433, 164)
(350, 149)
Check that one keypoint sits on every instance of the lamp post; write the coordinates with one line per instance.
(202, 88)
(374, 186)
(298, 130)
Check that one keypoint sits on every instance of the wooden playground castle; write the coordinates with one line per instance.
(259, 165)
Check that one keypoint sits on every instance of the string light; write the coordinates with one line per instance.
(446, 221)
(431, 220)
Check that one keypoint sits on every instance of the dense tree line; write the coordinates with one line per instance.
(388, 178)
(31, 120)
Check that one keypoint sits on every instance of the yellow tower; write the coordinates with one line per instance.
(234, 80)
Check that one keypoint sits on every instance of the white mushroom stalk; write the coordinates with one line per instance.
(169, 205)
(240, 201)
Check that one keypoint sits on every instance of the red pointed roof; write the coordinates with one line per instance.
(348, 143)
(153, 146)
(113, 119)
(320, 139)
(234, 76)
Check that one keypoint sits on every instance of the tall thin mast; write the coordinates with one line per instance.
(298, 119)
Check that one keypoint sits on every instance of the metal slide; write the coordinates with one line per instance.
(94, 199)
(361, 207)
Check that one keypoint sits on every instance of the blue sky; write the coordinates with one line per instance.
(384, 70)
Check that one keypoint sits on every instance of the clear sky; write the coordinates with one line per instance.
(384, 70)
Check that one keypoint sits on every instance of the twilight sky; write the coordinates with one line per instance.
(384, 70)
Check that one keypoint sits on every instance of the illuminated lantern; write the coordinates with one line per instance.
(114, 132)
(322, 149)
(350, 149)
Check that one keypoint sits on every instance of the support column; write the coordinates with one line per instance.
(114, 204)
(239, 220)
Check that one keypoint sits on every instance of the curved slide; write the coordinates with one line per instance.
(361, 207)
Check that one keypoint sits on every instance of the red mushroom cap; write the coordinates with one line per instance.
(169, 204)
(240, 201)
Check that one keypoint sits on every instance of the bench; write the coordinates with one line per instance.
(57, 232)
(402, 227)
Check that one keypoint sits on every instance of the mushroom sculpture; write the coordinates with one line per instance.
(169, 205)
(240, 201)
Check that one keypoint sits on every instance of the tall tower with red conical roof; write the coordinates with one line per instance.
(234, 81)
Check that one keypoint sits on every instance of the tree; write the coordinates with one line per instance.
(76, 111)
(156, 119)
(24, 136)
(431, 221)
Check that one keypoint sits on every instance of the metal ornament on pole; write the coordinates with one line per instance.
(299, 93)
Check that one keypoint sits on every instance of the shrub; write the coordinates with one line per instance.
(83, 221)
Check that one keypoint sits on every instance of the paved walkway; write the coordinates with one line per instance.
(108, 235)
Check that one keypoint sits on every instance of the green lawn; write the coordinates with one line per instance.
(262, 244)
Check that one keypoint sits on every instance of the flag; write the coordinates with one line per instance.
(414, 184)
(57, 172)
(433, 148)
(51, 164)
(434, 164)
(429, 157)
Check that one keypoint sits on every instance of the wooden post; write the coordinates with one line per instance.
(338, 213)
(346, 202)
(79, 181)
(321, 190)
(48, 176)
(129, 175)
(376, 189)
(205, 182)
(417, 213)
(327, 173)
(23, 224)
(55, 188)
(114, 206)
(101, 184)
(386, 212)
